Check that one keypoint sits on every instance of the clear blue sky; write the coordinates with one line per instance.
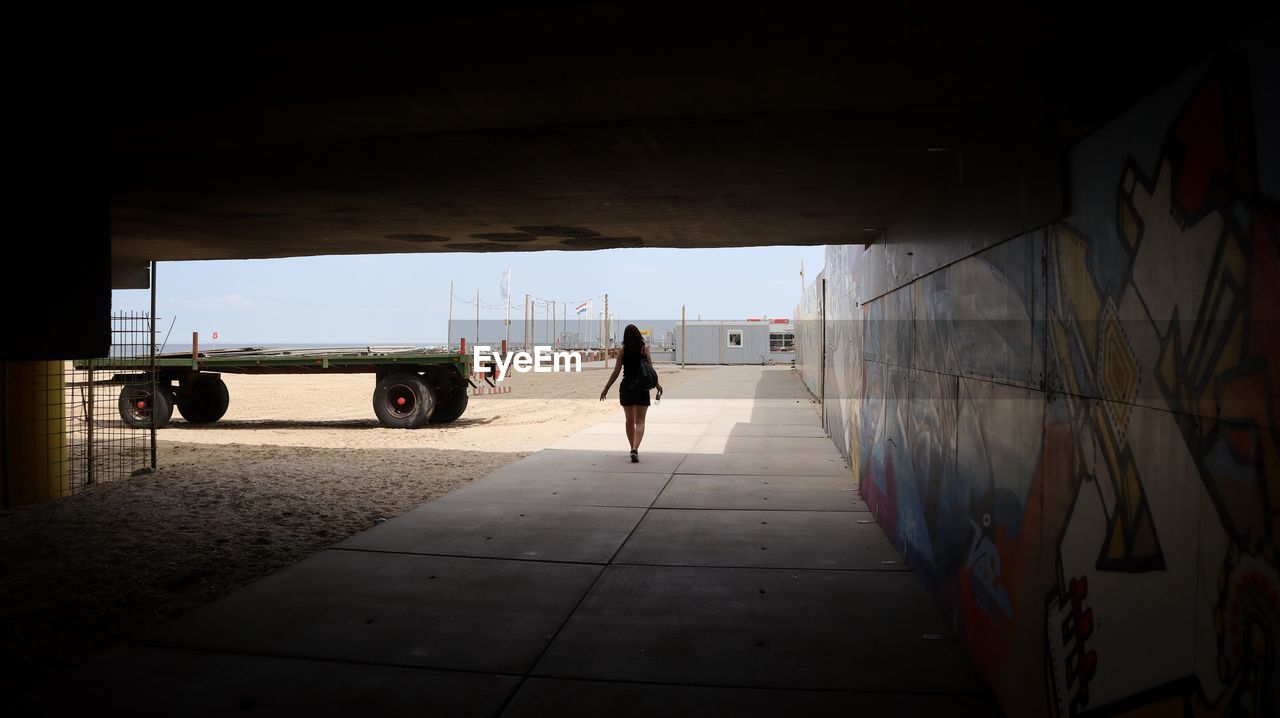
(403, 298)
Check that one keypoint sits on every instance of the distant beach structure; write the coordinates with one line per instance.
(749, 341)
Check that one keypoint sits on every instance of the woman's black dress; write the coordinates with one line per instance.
(629, 391)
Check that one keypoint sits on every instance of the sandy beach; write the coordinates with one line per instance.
(298, 463)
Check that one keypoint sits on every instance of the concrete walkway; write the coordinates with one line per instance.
(734, 571)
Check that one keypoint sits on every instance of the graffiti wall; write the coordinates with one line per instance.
(1072, 435)
(843, 344)
(808, 324)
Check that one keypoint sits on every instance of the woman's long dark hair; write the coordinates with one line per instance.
(631, 340)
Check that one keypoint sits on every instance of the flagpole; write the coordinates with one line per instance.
(508, 293)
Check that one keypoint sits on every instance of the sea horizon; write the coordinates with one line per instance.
(209, 344)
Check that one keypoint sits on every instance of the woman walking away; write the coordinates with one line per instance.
(631, 394)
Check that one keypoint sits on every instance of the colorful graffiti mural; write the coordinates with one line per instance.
(1170, 373)
(1072, 435)
(808, 324)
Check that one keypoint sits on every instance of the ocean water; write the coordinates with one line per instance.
(208, 345)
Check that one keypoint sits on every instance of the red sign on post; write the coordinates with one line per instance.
(215, 335)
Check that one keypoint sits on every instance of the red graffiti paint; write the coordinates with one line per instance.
(1210, 144)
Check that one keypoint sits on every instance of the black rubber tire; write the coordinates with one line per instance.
(203, 400)
(403, 401)
(451, 407)
(140, 418)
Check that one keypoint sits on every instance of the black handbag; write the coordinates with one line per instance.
(648, 378)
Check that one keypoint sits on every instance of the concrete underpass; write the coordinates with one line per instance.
(734, 570)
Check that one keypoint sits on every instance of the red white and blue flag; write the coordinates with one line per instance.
(582, 308)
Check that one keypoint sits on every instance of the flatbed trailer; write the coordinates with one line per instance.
(413, 387)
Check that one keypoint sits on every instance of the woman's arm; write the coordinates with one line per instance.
(613, 377)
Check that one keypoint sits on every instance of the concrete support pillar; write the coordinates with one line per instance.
(34, 469)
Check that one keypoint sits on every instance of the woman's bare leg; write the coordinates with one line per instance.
(639, 412)
(630, 413)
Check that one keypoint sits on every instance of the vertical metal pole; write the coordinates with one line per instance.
(477, 339)
(553, 322)
(448, 343)
(606, 330)
(681, 336)
(526, 322)
(822, 383)
(88, 427)
(155, 381)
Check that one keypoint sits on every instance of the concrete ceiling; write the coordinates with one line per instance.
(592, 125)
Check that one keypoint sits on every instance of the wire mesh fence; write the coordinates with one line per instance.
(100, 446)
(35, 445)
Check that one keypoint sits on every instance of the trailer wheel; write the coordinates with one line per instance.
(451, 407)
(136, 404)
(402, 401)
(203, 400)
